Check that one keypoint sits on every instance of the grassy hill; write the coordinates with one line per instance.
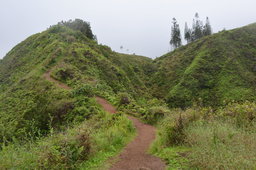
(29, 102)
(49, 117)
(214, 70)
(210, 85)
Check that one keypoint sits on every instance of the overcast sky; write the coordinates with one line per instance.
(142, 26)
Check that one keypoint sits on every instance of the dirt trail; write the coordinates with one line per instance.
(48, 77)
(107, 107)
(134, 156)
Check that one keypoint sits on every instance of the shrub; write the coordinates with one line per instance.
(242, 115)
(58, 151)
(85, 108)
(79, 25)
(155, 113)
(81, 147)
(172, 128)
(86, 90)
(59, 110)
(65, 151)
(63, 74)
(124, 98)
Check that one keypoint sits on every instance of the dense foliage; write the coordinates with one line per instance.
(79, 25)
(212, 71)
(84, 146)
(36, 110)
(198, 29)
(204, 138)
(175, 34)
(201, 96)
(29, 101)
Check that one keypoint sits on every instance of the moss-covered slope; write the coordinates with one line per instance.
(29, 102)
(212, 71)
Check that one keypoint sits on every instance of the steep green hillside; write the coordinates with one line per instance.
(31, 104)
(49, 117)
(211, 71)
(214, 70)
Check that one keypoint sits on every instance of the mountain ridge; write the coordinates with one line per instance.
(71, 58)
(51, 85)
(196, 66)
(212, 71)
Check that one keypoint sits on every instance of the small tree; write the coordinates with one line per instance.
(187, 33)
(175, 34)
(207, 27)
(80, 25)
(197, 28)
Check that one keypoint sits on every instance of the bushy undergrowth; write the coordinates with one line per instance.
(242, 115)
(30, 107)
(221, 145)
(210, 72)
(209, 139)
(84, 146)
(29, 102)
(148, 109)
(155, 114)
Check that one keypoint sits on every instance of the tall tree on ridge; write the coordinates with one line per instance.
(187, 33)
(207, 27)
(175, 34)
(197, 28)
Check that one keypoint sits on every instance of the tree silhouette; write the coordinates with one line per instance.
(175, 34)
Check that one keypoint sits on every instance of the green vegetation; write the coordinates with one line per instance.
(197, 31)
(213, 79)
(201, 97)
(175, 35)
(28, 101)
(84, 146)
(200, 138)
(79, 25)
(32, 107)
(212, 71)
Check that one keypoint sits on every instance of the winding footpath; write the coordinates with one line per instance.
(48, 77)
(134, 156)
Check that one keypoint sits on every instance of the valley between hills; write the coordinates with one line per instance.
(68, 102)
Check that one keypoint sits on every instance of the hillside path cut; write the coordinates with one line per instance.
(135, 156)
(48, 77)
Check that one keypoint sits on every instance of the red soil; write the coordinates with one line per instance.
(134, 155)
(48, 77)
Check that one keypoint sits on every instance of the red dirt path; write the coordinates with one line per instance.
(134, 156)
(48, 77)
(106, 106)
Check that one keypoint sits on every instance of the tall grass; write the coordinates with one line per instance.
(171, 135)
(220, 145)
(203, 138)
(83, 146)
